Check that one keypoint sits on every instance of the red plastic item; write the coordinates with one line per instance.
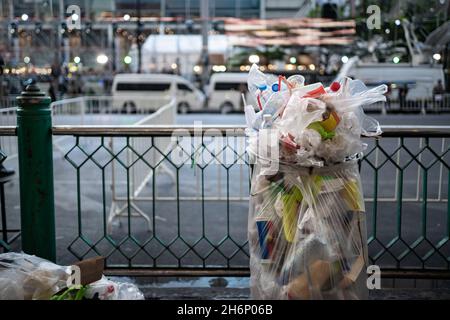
(258, 98)
(288, 142)
(315, 93)
(335, 86)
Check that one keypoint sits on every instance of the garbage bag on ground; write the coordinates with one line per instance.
(27, 277)
(307, 229)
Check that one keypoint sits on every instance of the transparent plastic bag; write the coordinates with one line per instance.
(26, 277)
(351, 98)
(270, 92)
(106, 289)
(325, 126)
(102, 289)
(307, 229)
(307, 233)
(129, 291)
(260, 84)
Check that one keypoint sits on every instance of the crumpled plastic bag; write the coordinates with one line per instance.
(319, 125)
(105, 289)
(26, 277)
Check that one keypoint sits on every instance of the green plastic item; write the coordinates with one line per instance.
(72, 293)
(321, 130)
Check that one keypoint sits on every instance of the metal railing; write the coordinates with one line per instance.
(77, 111)
(405, 175)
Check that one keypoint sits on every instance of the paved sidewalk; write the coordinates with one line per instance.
(233, 288)
(243, 294)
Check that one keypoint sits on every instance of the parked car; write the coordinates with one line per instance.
(143, 92)
(419, 80)
(225, 92)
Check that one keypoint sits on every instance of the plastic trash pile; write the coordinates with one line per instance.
(307, 227)
(27, 277)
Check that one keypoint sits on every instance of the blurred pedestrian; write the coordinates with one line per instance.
(402, 93)
(51, 91)
(2, 65)
(388, 96)
(55, 73)
(438, 92)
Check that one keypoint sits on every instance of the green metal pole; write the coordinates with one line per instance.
(34, 125)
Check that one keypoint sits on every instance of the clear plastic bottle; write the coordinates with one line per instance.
(274, 104)
(267, 121)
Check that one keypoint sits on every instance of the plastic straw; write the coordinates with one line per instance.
(243, 99)
(258, 98)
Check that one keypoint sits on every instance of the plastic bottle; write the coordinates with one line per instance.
(257, 122)
(267, 121)
(275, 103)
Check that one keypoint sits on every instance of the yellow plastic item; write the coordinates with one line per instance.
(291, 200)
(331, 123)
(352, 197)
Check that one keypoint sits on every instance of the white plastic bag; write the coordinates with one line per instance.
(26, 277)
(105, 289)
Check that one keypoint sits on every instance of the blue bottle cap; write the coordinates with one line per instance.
(275, 87)
(262, 87)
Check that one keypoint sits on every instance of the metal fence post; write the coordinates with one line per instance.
(34, 125)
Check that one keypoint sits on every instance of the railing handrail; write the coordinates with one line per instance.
(8, 131)
(163, 130)
(230, 130)
(147, 130)
(8, 109)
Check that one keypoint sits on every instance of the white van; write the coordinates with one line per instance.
(419, 79)
(147, 92)
(224, 91)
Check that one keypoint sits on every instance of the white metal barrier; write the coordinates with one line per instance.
(8, 117)
(84, 110)
(145, 156)
(90, 110)
(8, 102)
(74, 111)
(436, 104)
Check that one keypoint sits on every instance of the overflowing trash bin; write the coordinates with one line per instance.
(307, 228)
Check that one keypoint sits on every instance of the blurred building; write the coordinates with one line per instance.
(97, 38)
(29, 28)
